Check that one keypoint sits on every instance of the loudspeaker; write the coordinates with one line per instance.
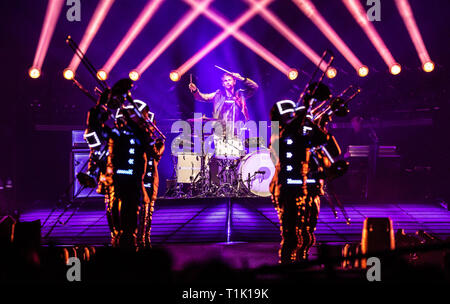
(79, 164)
(377, 235)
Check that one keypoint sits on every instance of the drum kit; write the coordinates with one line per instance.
(226, 166)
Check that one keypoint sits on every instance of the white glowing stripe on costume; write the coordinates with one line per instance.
(88, 137)
(289, 141)
(280, 109)
(151, 116)
(132, 142)
(149, 174)
(131, 161)
(118, 114)
(288, 154)
(300, 108)
(291, 181)
(327, 154)
(148, 185)
(309, 116)
(140, 106)
(131, 151)
(150, 162)
(289, 168)
(126, 172)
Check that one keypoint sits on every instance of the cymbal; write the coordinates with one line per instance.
(203, 118)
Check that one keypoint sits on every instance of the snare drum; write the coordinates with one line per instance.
(256, 171)
(228, 148)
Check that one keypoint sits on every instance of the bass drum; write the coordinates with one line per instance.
(256, 171)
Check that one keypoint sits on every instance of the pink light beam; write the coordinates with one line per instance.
(51, 18)
(94, 25)
(313, 14)
(138, 25)
(408, 18)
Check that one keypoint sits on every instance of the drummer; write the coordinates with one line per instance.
(229, 103)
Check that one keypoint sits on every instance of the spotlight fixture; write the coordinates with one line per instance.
(134, 75)
(428, 66)
(34, 72)
(395, 69)
(363, 71)
(174, 76)
(68, 74)
(102, 75)
(293, 74)
(331, 72)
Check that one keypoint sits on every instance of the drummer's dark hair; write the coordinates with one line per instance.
(225, 74)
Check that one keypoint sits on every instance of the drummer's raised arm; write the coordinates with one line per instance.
(209, 97)
(250, 87)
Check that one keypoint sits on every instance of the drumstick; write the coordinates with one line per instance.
(223, 70)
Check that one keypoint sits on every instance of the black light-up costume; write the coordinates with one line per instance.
(303, 162)
(131, 192)
(129, 179)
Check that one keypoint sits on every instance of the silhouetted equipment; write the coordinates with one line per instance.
(377, 235)
(7, 224)
(350, 251)
(27, 234)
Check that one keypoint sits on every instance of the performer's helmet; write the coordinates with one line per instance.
(321, 93)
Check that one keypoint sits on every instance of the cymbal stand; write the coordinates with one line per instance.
(202, 181)
(228, 177)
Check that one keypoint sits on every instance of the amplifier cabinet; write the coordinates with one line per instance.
(79, 159)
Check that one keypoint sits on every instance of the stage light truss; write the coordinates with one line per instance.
(202, 7)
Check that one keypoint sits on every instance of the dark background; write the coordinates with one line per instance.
(39, 161)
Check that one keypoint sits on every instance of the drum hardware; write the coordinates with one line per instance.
(201, 119)
(230, 171)
(228, 178)
(228, 148)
